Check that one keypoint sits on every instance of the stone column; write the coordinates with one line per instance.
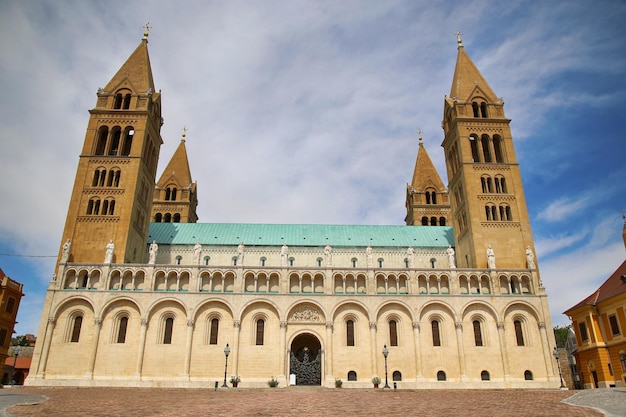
(97, 326)
(459, 340)
(235, 346)
(142, 347)
(283, 352)
(547, 353)
(418, 352)
(329, 351)
(503, 351)
(41, 370)
(373, 328)
(188, 344)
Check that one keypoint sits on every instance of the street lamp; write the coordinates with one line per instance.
(556, 355)
(226, 352)
(16, 352)
(385, 354)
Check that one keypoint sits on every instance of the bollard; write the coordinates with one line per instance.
(395, 386)
(216, 384)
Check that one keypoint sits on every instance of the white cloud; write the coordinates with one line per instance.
(561, 208)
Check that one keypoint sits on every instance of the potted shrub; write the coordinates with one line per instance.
(338, 383)
(376, 381)
(235, 380)
(272, 383)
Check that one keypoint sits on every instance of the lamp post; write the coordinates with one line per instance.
(16, 352)
(385, 354)
(226, 352)
(556, 355)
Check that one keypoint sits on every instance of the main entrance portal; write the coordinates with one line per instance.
(306, 360)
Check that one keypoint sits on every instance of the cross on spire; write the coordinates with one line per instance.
(147, 28)
(184, 132)
(419, 134)
(458, 35)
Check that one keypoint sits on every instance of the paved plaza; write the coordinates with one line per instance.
(129, 402)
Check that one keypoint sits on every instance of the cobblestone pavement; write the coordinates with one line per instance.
(612, 401)
(130, 402)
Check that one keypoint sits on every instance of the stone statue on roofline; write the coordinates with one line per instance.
(370, 257)
(328, 254)
(152, 252)
(65, 253)
(530, 258)
(197, 253)
(284, 254)
(410, 255)
(451, 261)
(240, 253)
(491, 258)
(108, 256)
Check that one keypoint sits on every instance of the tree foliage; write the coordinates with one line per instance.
(560, 334)
(20, 341)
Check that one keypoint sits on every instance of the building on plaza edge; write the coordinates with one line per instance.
(145, 296)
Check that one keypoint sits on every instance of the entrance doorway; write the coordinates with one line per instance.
(306, 360)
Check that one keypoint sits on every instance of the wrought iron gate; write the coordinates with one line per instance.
(307, 371)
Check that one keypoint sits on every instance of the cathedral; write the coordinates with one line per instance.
(145, 296)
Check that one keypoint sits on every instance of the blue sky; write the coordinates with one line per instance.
(306, 112)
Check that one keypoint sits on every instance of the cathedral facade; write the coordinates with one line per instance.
(143, 295)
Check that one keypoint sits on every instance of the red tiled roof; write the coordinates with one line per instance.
(611, 287)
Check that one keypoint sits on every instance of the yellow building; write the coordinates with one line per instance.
(138, 304)
(599, 322)
(10, 297)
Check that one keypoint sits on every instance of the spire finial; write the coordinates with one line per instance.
(184, 133)
(458, 35)
(419, 135)
(147, 28)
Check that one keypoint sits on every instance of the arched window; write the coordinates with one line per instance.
(121, 330)
(441, 376)
(93, 207)
(528, 375)
(433, 197)
(351, 376)
(176, 217)
(483, 109)
(500, 185)
(168, 193)
(78, 322)
(167, 331)
(291, 261)
(215, 324)
(350, 333)
(406, 262)
(519, 335)
(474, 146)
(434, 325)
(475, 108)
(126, 104)
(505, 213)
(260, 332)
(497, 148)
(128, 141)
(393, 333)
(381, 261)
(433, 263)
(178, 259)
(442, 221)
(319, 262)
(491, 213)
(484, 376)
(485, 140)
(117, 104)
(174, 190)
(424, 221)
(353, 261)
(263, 260)
(433, 221)
(115, 141)
(397, 376)
(206, 260)
(103, 134)
(158, 218)
(234, 260)
(105, 207)
(478, 336)
(167, 218)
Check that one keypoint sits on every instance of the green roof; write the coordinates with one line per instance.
(300, 235)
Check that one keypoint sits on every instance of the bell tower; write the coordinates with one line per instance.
(487, 197)
(112, 195)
